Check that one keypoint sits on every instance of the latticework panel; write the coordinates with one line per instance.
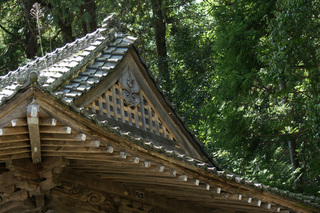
(142, 116)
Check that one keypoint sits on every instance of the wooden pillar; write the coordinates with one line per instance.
(34, 132)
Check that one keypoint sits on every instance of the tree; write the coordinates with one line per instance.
(17, 35)
(192, 66)
(266, 82)
(62, 22)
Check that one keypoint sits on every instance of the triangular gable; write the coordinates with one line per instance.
(129, 107)
(86, 69)
(140, 108)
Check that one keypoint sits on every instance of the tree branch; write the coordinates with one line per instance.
(284, 134)
(10, 33)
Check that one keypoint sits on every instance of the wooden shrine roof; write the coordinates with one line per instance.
(62, 149)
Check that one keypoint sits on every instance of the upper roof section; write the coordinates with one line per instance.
(104, 74)
(59, 66)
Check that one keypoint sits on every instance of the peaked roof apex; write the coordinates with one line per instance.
(112, 22)
(49, 64)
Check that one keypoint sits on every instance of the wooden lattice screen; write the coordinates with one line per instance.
(112, 105)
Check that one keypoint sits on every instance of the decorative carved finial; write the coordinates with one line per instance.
(33, 77)
(112, 22)
(29, 77)
(130, 89)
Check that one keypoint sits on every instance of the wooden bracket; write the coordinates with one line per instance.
(34, 132)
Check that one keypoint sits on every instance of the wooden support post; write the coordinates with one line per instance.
(40, 202)
(34, 132)
(114, 101)
(108, 104)
(143, 118)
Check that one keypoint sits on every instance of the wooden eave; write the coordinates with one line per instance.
(109, 171)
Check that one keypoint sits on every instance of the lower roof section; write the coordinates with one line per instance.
(56, 158)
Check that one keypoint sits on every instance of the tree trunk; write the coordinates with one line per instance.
(66, 29)
(90, 6)
(295, 163)
(83, 23)
(292, 145)
(30, 31)
(160, 34)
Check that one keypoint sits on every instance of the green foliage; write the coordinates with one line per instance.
(265, 93)
(11, 28)
(191, 64)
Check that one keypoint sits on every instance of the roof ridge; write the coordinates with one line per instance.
(60, 53)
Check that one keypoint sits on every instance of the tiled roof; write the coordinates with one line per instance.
(98, 70)
(69, 72)
(68, 65)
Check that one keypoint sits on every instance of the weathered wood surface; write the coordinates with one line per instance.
(114, 166)
(34, 132)
(111, 105)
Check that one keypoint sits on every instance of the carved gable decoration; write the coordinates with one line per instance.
(130, 88)
(125, 102)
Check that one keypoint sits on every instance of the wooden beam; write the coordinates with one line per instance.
(15, 108)
(20, 144)
(9, 206)
(48, 121)
(14, 150)
(150, 198)
(56, 129)
(34, 132)
(13, 131)
(14, 138)
(43, 122)
(15, 156)
(94, 143)
(19, 122)
(7, 179)
(65, 137)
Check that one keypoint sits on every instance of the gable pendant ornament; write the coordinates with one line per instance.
(130, 89)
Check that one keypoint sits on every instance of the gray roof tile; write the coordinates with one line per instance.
(120, 51)
(77, 58)
(83, 87)
(123, 44)
(90, 48)
(114, 60)
(73, 94)
(93, 80)
(50, 80)
(84, 53)
(72, 85)
(72, 64)
(89, 72)
(109, 65)
(110, 50)
(104, 57)
(100, 74)
(96, 65)
(117, 57)
(96, 43)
